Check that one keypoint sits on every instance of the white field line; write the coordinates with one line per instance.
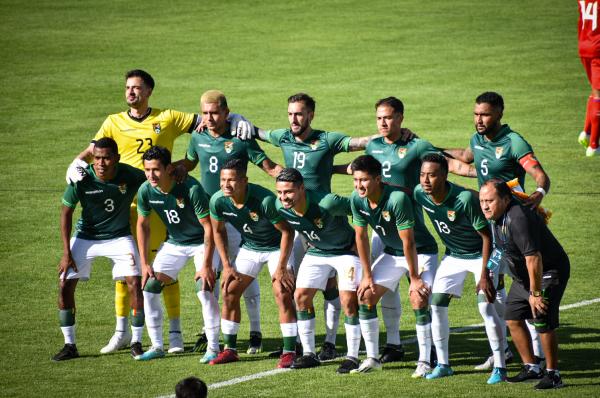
(268, 373)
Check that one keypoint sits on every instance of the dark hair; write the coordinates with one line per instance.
(492, 98)
(290, 174)
(501, 187)
(240, 166)
(107, 142)
(392, 102)
(158, 152)
(302, 97)
(368, 164)
(191, 387)
(145, 76)
(437, 158)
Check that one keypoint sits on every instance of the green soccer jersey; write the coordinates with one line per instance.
(180, 210)
(394, 212)
(254, 220)
(105, 205)
(214, 152)
(499, 158)
(456, 220)
(324, 224)
(313, 158)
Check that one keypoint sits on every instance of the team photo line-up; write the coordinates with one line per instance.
(133, 194)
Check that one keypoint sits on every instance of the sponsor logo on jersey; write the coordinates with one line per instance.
(123, 188)
(401, 153)
(225, 213)
(253, 216)
(293, 222)
(366, 213)
(451, 215)
(499, 151)
(180, 203)
(94, 192)
(228, 146)
(376, 151)
(156, 127)
(319, 223)
(386, 215)
(478, 147)
(204, 145)
(158, 202)
(428, 209)
(314, 144)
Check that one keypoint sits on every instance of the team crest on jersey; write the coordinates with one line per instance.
(180, 203)
(499, 151)
(319, 223)
(254, 216)
(401, 153)
(123, 188)
(451, 215)
(156, 127)
(385, 215)
(314, 144)
(228, 146)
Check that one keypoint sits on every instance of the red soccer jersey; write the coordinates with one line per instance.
(589, 29)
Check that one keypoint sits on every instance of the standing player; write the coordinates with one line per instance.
(102, 231)
(499, 152)
(322, 219)
(266, 239)
(457, 218)
(389, 211)
(589, 52)
(212, 148)
(183, 208)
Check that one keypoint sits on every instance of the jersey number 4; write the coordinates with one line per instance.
(589, 12)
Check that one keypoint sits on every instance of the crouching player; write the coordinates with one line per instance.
(389, 211)
(183, 208)
(457, 218)
(102, 231)
(266, 239)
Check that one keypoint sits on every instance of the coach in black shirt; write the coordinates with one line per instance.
(540, 269)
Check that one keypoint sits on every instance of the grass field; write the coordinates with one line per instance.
(61, 74)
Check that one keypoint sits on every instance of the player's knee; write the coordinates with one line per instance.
(153, 286)
(441, 299)
(303, 299)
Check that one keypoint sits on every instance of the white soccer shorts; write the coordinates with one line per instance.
(376, 246)
(451, 274)
(121, 251)
(316, 270)
(234, 240)
(387, 269)
(171, 259)
(250, 262)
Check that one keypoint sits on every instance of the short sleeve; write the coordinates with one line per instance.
(184, 122)
(191, 153)
(357, 218)
(255, 152)
(215, 211)
(199, 200)
(105, 130)
(270, 210)
(338, 142)
(274, 136)
(403, 210)
(143, 205)
(473, 211)
(519, 147)
(425, 148)
(70, 198)
(523, 232)
(336, 205)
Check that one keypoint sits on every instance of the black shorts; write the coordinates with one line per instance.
(517, 302)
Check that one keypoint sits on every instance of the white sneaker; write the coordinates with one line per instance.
(367, 366)
(421, 371)
(175, 343)
(584, 139)
(117, 342)
(589, 152)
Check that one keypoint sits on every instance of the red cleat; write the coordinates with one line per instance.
(225, 356)
(286, 359)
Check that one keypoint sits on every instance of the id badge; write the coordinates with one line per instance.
(493, 264)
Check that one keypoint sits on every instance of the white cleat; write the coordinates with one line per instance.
(590, 152)
(421, 371)
(367, 366)
(117, 342)
(175, 343)
(584, 139)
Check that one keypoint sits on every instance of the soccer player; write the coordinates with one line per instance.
(102, 231)
(183, 208)
(499, 152)
(390, 212)
(457, 218)
(212, 148)
(540, 269)
(266, 239)
(322, 218)
(589, 52)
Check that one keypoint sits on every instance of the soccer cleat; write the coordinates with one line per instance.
(136, 349)
(498, 376)
(440, 371)
(392, 353)
(550, 380)
(201, 343)
(208, 356)
(368, 365)
(175, 342)
(309, 360)
(526, 373)
(286, 359)
(421, 371)
(279, 352)
(225, 356)
(117, 342)
(489, 362)
(584, 139)
(348, 365)
(590, 152)
(327, 353)
(255, 343)
(152, 353)
(69, 351)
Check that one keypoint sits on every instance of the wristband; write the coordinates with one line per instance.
(541, 190)
(535, 293)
